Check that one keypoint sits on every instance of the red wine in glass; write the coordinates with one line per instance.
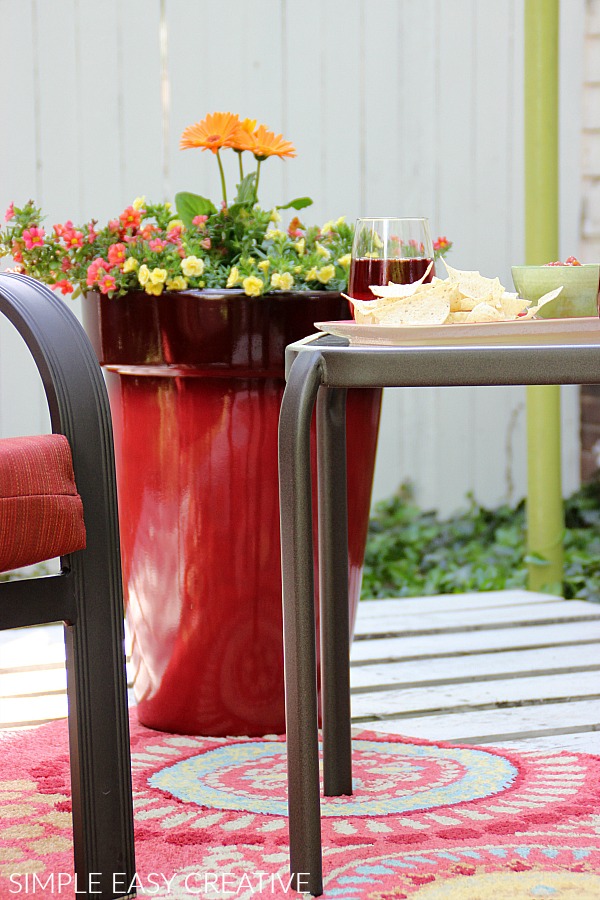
(366, 271)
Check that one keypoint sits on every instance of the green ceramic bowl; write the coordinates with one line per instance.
(579, 295)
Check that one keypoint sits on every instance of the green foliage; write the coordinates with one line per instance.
(190, 205)
(147, 247)
(412, 552)
(298, 203)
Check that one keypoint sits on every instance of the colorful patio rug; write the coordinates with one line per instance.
(427, 821)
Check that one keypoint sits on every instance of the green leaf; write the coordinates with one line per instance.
(298, 203)
(246, 192)
(535, 559)
(191, 205)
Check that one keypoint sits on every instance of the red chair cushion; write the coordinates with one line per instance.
(41, 514)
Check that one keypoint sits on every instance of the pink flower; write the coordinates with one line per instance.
(72, 238)
(10, 212)
(116, 254)
(65, 286)
(295, 228)
(107, 284)
(33, 237)
(92, 234)
(66, 264)
(157, 245)
(96, 269)
(174, 233)
(148, 231)
(442, 244)
(199, 220)
(130, 217)
(205, 243)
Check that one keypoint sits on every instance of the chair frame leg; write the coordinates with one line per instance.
(299, 624)
(333, 592)
(88, 595)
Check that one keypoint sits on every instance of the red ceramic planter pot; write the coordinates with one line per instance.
(195, 382)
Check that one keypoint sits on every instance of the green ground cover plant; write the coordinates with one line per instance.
(413, 552)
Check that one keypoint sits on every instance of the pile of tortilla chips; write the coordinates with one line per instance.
(463, 297)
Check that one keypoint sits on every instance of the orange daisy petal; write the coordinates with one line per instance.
(265, 143)
(215, 131)
(269, 144)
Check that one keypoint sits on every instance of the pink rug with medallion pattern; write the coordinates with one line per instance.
(427, 821)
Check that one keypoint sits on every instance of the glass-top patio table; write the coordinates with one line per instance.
(320, 368)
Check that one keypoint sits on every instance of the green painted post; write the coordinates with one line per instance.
(545, 516)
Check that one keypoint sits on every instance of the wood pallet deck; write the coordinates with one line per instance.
(508, 668)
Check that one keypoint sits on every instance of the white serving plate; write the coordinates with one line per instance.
(583, 330)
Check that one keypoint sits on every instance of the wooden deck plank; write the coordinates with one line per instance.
(466, 642)
(586, 742)
(455, 620)
(377, 609)
(499, 725)
(472, 695)
(505, 664)
(47, 679)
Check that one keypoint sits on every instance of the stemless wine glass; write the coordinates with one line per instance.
(388, 249)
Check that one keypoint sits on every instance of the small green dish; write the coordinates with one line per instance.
(579, 295)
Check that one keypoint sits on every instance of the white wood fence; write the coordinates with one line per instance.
(396, 107)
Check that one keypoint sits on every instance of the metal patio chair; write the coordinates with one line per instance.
(49, 484)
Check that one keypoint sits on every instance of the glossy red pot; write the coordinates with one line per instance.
(195, 382)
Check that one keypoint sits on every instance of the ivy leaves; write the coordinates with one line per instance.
(411, 552)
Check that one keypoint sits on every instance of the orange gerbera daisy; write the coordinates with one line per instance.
(263, 143)
(215, 131)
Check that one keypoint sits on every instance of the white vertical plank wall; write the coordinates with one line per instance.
(396, 107)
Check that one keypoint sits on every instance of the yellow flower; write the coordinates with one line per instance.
(130, 265)
(328, 226)
(139, 202)
(253, 286)
(158, 276)
(143, 274)
(234, 277)
(326, 274)
(282, 281)
(311, 275)
(297, 270)
(300, 247)
(345, 260)
(178, 283)
(275, 217)
(191, 266)
(156, 288)
(264, 265)
(176, 223)
(340, 221)
(275, 234)
(322, 251)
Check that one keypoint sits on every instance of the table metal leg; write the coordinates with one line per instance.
(299, 623)
(333, 591)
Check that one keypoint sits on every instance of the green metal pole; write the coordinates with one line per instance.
(545, 516)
